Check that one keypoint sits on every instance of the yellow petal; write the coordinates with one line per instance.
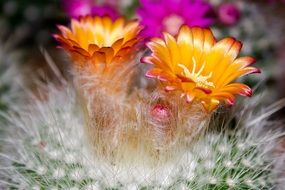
(210, 105)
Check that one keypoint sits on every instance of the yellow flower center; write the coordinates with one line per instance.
(197, 77)
(172, 23)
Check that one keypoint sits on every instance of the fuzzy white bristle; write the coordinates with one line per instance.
(46, 147)
(41, 170)
(231, 182)
(58, 173)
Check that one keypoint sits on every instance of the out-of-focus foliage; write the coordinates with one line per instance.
(34, 19)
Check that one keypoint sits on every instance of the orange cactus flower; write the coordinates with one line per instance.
(99, 40)
(198, 66)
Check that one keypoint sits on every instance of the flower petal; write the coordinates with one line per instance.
(210, 105)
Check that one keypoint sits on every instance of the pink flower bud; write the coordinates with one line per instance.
(229, 14)
(160, 113)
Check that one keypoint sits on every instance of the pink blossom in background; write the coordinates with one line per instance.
(112, 2)
(168, 15)
(77, 8)
(105, 10)
(229, 13)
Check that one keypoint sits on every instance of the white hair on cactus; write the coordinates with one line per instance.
(47, 148)
(10, 78)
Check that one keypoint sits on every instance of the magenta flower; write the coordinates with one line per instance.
(104, 10)
(229, 14)
(168, 15)
(77, 8)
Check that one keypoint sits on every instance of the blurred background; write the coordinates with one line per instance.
(27, 28)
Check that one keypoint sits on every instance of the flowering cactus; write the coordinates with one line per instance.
(107, 131)
(47, 148)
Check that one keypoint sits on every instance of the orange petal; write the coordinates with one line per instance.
(227, 51)
(157, 40)
(237, 88)
(153, 73)
(163, 54)
(204, 90)
(65, 31)
(148, 59)
(165, 77)
(240, 73)
(209, 39)
(210, 105)
(170, 88)
(226, 96)
(81, 51)
(198, 42)
(109, 53)
(184, 79)
(130, 43)
(244, 61)
(98, 57)
(117, 45)
(124, 51)
(185, 44)
(172, 49)
(92, 48)
(221, 56)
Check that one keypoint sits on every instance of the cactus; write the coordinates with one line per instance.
(46, 148)
(108, 131)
